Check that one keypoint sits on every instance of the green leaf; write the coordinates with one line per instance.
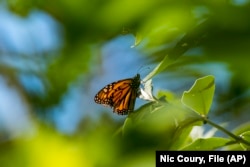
(245, 136)
(242, 128)
(207, 144)
(161, 122)
(166, 95)
(127, 125)
(160, 67)
(199, 97)
(181, 137)
(138, 39)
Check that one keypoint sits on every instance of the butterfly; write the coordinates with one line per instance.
(120, 95)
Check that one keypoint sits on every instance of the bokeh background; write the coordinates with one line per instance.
(56, 55)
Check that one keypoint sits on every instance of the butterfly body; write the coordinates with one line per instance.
(120, 95)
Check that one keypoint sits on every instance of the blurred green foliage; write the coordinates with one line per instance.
(189, 32)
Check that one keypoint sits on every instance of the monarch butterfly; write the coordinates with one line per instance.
(120, 95)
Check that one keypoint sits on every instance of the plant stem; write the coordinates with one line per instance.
(237, 138)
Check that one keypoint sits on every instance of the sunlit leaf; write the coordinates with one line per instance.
(242, 128)
(144, 160)
(245, 136)
(207, 144)
(199, 97)
(166, 95)
(138, 39)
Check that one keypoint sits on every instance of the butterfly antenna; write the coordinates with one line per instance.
(142, 68)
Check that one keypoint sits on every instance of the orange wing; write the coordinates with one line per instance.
(120, 95)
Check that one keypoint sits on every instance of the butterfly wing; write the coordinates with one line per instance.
(120, 95)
